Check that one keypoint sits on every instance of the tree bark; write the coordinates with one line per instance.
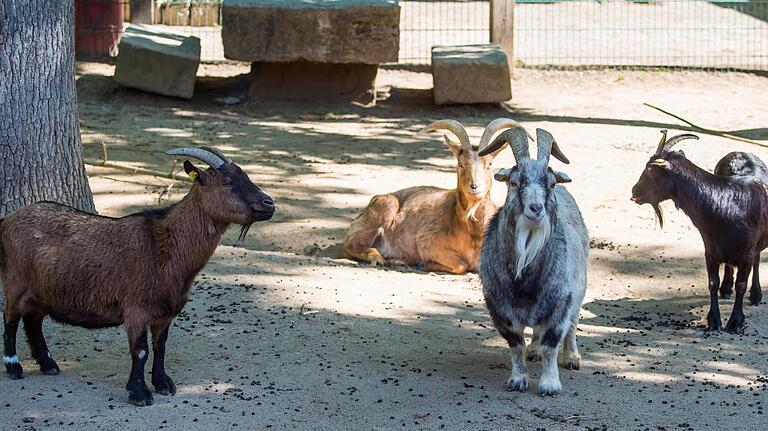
(40, 153)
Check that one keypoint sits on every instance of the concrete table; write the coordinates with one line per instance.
(308, 49)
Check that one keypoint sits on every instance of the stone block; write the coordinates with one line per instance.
(323, 31)
(470, 74)
(157, 61)
(314, 81)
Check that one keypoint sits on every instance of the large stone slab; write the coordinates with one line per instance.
(311, 80)
(470, 74)
(158, 61)
(325, 31)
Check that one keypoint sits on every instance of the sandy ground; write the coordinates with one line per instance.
(275, 339)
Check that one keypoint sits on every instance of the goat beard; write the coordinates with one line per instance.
(529, 241)
(472, 210)
(659, 214)
(243, 232)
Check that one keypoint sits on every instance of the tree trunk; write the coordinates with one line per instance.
(40, 153)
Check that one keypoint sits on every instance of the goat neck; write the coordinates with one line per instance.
(186, 237)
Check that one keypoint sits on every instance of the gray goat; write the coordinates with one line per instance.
(533, 263)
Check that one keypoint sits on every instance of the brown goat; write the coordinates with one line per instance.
(430, 228)
(93, 271)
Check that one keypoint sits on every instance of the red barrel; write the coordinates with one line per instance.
(98, 27)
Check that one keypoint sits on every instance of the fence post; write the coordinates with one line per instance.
(503, 26)
(141, 11)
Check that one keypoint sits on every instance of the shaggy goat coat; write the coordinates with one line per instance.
(551, 288)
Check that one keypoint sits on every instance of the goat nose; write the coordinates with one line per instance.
(267, 202)
(536, 208)
(474, 186)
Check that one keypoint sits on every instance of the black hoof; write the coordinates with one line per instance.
(755, 298)
(735, 325)
(164, 385)
(15, 371)
(49, 367)
(725, 294)
(533, 357)
(714, 325)
(140, 396)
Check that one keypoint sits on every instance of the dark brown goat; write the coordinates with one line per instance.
(730, 212)
(93, 271)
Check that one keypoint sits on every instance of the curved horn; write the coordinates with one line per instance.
(199, 154)
(675, 139)
(518, 142)
(660, 147)
(499, 124)
(546, 145)
(452, 126)
(218, 153)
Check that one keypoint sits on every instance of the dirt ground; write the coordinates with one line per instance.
(276, 337)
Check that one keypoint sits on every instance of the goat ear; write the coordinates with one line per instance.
(562, 177)
(193, 172)
(502, 175)
(661, 163)
(454, 146)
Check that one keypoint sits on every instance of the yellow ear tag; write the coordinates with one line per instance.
(192, 175)
(660, 162)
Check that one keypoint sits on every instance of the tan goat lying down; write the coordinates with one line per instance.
(430, 228)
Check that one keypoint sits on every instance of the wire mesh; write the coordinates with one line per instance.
(731, 34)
(727, 34)
(425, 23)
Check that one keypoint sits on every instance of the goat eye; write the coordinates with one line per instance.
(227, 182)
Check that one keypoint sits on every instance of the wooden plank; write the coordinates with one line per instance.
(503, 26)
(141, 11)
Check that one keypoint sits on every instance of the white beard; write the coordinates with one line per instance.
(529, 240)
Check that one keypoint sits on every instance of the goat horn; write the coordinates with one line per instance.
(518, 142)
(452, 126)
(218, 153)
(675, 139)
(546, 145)
(499, 124)
(660, 147)
(196, 153)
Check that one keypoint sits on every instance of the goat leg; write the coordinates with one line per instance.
(735, 323)
(549, 383)
(138, 392)
(449, 267)
(533, 351)
(755, 292)
(726, 288)
(713, 317)
(33, 327)
(11, 359)
(518, 379)
(571, 357)
(368, 227)
(160, 380)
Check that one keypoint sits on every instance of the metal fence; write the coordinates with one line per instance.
(730, 34)
(727, 34)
